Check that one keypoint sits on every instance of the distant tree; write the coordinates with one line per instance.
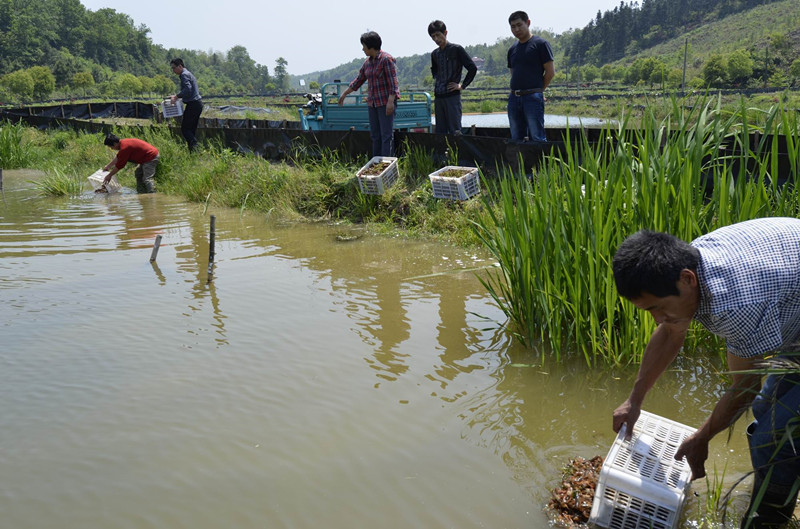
(607, 72)
(82, 81)
(281, 74)
(675, 78)
(590, 73)
(126, 84)
(740, 66)
(19, 83)
(313, 85)
(794, 69)
(779, 79)
(64, 65)
(263, 78)
(781, 46)
(240, 67)
(715, 70)
(147, 84)
(658, 75)
(44, 82)
(163, 85)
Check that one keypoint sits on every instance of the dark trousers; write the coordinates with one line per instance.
(774, 440)
(448, 114)
(191, 116)
(381, 130)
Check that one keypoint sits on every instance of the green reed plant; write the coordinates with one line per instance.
(416, 164)
(58, 184)
(554, 236)
(715, 502)
(15, 153)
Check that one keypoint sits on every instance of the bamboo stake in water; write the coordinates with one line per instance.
(155, 249)
(2, 191)
(211, 241)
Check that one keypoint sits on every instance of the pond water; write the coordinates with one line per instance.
(322, 378)
(500, 120)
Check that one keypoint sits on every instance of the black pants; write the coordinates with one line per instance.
(448, 114)
(191, 116)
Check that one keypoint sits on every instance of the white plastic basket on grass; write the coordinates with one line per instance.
(455, 187)
(172, 111)
(96, 179)
(378, 184)
(641, 485)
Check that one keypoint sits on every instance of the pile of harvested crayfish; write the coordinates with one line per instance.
(572, 500)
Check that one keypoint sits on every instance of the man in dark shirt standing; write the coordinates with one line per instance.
(192, 101)
(447, 61)
(531, 62)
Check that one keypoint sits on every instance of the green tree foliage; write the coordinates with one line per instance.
(633, 26)
(715, 71)
(82, 81)
(281, 74)
(590, 73)
(44, 82)
(163, 85)
(19, 83)
(126, 84)
(794, 69)
(740, 66)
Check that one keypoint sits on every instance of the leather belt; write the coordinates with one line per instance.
(526, 92)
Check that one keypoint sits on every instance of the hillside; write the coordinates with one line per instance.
(776, 25)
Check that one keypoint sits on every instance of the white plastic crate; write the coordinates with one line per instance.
(96, 179)
(378, 184)
(641, 485)
(172, 111)
(455, 187)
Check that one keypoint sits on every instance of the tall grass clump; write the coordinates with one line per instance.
(15, 153)
(59, 184)
(554, 236)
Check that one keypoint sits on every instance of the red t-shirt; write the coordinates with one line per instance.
(136, 151)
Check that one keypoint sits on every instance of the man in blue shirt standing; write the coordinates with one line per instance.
(742, 282)
(531, 62)
(192, 102)
(447, 61)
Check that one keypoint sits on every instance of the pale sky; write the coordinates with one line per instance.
(315, 35)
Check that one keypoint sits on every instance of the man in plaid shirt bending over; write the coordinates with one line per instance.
(742, 282)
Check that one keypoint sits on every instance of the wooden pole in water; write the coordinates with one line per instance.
(211, 241)
(155, 249)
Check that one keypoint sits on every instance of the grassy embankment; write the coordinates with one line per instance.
(311, 186)
(553, 237)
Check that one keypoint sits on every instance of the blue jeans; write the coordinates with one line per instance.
(381, 131)
(526, 116)
(776, 407)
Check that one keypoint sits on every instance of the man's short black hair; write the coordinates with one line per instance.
(177, 61)
(371, 40)
(110, 140)
(518, 15)
(651, 262)
(437, 26)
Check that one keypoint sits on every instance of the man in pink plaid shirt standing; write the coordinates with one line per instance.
(383, 91)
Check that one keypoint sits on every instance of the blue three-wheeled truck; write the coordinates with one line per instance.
(322, 112)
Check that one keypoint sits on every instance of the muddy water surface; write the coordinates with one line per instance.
(322, 378)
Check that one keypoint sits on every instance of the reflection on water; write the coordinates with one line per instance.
(500, 120)
(317, 380)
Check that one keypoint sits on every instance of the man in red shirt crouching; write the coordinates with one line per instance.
(136, 151)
